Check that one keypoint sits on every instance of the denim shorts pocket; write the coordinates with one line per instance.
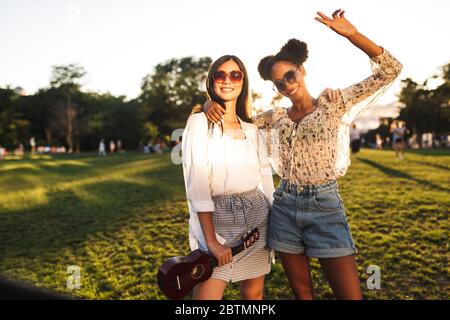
(328, 201)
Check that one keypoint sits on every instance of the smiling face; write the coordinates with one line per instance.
(279, 74)
(228, 90)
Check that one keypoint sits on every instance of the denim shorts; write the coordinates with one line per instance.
(310, 220)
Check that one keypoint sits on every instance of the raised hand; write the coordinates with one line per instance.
(338, 23)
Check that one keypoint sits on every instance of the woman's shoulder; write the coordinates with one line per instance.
(197, 123)
(278, 111)
(197, 118)
(328, 105)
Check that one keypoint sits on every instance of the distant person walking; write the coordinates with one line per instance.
(33, 145)
(355, 139)
(399, 134)
(379, 142)
(101, 148)
(157, 147)
(112, 146)
(20, 150)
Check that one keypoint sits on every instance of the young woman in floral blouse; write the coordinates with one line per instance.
(308, 217)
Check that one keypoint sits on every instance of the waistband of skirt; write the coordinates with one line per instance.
(237, 195)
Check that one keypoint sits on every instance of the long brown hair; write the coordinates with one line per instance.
(243, 104)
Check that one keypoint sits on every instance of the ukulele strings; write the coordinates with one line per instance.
(188, 279)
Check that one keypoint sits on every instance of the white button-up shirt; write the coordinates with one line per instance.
(215, 164)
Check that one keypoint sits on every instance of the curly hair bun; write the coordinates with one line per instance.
(264, 67)
(296, 49)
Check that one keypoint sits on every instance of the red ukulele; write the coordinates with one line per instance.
(178, 276)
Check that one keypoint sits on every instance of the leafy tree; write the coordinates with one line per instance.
(426, 110)
(171, 90)
(13, 127)
(68, 114)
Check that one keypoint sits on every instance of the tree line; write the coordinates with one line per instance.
(425, 109)
(63, 114)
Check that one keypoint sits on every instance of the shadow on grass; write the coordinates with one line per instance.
(430, 152)
(401, 174)
(71, 216)
(33, 173)
(432, 165)
(51, 165)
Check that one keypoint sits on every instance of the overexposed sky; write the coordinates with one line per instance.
(119, 42)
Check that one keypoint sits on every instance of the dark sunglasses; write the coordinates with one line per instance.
(288, 77)
(235, 76)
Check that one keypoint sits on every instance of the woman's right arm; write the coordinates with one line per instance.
(195, 164)
(220, 252)
(197, 173)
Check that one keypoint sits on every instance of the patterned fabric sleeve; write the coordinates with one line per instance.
(264, 120)
(354, 99)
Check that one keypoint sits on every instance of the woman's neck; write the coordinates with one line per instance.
(306, 102)
(230, 114)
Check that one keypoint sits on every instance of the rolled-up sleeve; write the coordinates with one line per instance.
(265, 170)
(197, 171)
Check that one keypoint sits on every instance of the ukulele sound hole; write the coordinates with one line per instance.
(197, 272)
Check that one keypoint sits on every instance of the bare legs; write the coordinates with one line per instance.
(298, 273)
(252, 289)
(213, 289)
(400, 150)
(342, 276)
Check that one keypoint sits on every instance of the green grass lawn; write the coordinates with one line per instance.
(120, 217)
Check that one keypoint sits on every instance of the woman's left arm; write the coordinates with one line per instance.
(385, 67)
(343, 27)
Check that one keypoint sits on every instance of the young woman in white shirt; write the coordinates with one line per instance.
(229, 185)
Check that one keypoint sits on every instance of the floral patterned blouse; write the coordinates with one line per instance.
(316, 149)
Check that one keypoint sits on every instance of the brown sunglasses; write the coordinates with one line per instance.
(235, 76)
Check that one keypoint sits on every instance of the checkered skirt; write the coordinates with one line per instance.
(235, 215)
